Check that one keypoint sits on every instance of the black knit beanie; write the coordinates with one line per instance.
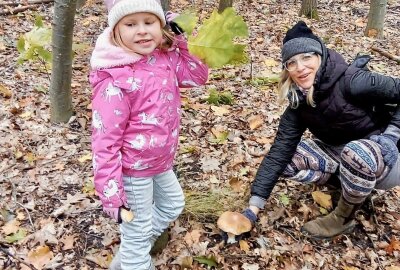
(300, 39)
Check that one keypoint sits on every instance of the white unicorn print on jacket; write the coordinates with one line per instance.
(148, 119)
(151, 60)
(139, 166)
(135, 83)
(192, 65)
(111, 189)
(189, 83)
(111, 91)
(167, 96)
(139, 142)
(94, 164)
(97, 122)
(153, 141)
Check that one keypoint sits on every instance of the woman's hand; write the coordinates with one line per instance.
(390, 152)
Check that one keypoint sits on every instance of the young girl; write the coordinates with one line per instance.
(136, 111)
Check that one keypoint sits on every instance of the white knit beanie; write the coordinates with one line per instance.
(117, 9)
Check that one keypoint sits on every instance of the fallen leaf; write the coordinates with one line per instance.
(5, 92)
(193, 237)
(220, 111)
(244, 246)
(269, 62)
(86, 157)
(209, 261)
(325, 200)
(392, 268)
(394, 245)
(236, 184)
(247, 266)
(68, 242)
(305, 210)
(186, 262)
(11, 227)
(350, 268)
(40, 256)
(15, 237)
(255, 121)
(47, 234)
(209, 164)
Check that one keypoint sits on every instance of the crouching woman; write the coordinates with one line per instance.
(354, 137)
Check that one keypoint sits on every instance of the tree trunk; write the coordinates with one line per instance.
(223, 4)
(165, 5)
(309, 9)
(376, 18)
(60, 86)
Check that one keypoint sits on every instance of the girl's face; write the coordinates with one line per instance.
(140, 32)
(303, 69)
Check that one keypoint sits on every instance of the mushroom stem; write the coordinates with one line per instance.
(231, 238)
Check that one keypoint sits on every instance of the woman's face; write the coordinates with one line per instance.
(303, 68)
(140, 32)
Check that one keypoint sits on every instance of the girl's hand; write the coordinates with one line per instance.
(169, 18)
(113, 213)
(119, 214)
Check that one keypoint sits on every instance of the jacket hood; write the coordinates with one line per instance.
(107, 55)
(333, 66)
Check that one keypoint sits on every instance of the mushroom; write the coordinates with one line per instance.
(233, 224)
(126, 215)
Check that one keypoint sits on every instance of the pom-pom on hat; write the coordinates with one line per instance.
(117, 9)
(300, 39)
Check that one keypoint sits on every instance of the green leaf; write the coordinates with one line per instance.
(213, 97)
(214, 40)
(15, 237)
(42, 89)
(39, 36)
(217, 98)
(187, 21)
(39, 21)
(21, 44)
(284, 200)
(44, 54)
(209, 261)
(323, 211)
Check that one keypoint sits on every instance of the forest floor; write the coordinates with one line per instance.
(50, 217)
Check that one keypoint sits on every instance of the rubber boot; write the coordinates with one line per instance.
(339, 221)
(160, 243)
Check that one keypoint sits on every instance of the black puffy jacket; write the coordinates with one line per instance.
(350, 104)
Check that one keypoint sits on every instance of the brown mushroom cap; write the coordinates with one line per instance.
(234, 223)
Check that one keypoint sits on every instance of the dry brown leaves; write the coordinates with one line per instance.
(50, 217)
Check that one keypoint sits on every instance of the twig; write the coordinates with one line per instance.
(31, 5)
(386, 54)
(17, 10)
(7, 168)
(29, 216)
(16, 258)
(33, 2)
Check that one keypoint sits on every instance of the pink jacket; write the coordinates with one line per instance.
(136, 112)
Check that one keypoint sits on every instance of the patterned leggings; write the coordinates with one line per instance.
(359, 165)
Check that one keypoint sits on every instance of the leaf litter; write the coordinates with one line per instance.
(50, 217)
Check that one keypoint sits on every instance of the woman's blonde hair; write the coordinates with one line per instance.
(287, 89)
(168, 39)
